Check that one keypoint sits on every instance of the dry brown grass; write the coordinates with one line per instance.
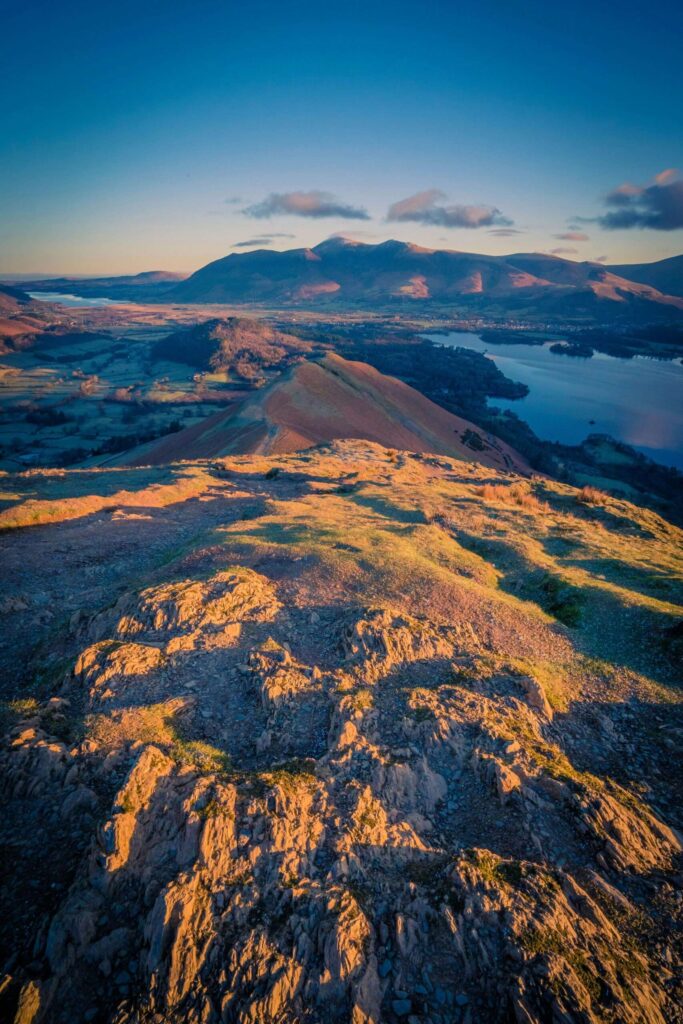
(176, 486)
(512, 494)
(152, 723)
(592, 496)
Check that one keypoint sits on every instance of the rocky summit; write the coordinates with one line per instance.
(348, 734)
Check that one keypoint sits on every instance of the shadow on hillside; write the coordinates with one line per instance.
(102, 482)
(636, 743)
(621, 523)
(388, 510)
(650, 582)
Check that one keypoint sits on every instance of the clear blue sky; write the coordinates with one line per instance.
(125, 126)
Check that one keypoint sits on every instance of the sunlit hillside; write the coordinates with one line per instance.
(351, 734)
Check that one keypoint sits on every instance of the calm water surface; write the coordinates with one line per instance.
(638, 401)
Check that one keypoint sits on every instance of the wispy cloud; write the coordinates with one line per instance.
(233, 200)
(312, 204)
(664, 177)
(658, 206)
(561, 251)
(428, 208)
(504, 232)
(572, 236)
(622, 194)
(249, 243)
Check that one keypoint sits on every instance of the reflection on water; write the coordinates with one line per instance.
(638, 401)
(72, 300)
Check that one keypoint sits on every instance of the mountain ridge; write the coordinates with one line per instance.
(666, 275)
(317, 402)
(340, 270)
(332, 272)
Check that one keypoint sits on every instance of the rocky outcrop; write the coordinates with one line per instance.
(331, 887)
(285, 809)
(190, 610)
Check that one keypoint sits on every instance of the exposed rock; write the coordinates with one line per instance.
(370, 812)
(190, 607)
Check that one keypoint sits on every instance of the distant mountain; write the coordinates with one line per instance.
(353, 273)
(139, 287)
(665, 275)
(316, 402)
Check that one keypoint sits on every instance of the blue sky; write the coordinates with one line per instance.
(125, 127)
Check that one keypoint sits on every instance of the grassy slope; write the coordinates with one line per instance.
(410, 529)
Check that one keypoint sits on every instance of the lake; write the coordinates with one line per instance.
(72, 300)
(638, 401)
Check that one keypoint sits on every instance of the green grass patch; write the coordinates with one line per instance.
(202, 756)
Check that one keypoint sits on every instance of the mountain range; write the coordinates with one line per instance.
(345, 272)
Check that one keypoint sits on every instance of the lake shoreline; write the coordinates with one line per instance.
(656, 341)
(636, 400)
